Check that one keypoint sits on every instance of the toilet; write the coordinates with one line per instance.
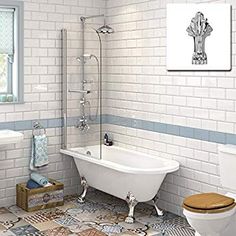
(213, 214)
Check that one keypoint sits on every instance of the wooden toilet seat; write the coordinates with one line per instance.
(208, 203)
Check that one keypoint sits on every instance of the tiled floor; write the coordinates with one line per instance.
(101, 215)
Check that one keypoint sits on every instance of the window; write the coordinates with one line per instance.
(11, 51)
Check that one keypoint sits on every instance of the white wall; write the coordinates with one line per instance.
(138, 86)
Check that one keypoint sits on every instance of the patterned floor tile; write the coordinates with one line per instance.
(179, 231)
(79, 227)
(111, 217)
(127, 233)
(2, 228)
(139, 229)
(43, 216)
(6, 233)
(4, 210)
(66, 221)
(91, 232)
(149, 219)
(59, 231)
(25, 231)
(9, 220)
(66, 206)
(18, 211)
(111, 229)
(100, 215)
(45, 225)
(91, 206)
(71, 198)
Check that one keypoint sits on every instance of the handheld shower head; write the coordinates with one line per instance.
(86, 57)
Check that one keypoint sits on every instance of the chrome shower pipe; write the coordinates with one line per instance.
(84, 18)
(83, 74)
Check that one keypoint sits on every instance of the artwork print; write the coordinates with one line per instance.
(199, 29)
(199, 38)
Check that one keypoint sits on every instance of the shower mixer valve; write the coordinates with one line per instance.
(82, 124)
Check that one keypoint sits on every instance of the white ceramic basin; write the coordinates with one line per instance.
(10, 136)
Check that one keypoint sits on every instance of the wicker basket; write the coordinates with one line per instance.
(40, 198)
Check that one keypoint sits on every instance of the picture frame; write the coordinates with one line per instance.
(199, 37)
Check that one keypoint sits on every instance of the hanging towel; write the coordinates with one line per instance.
(39, 179)
(39, 155)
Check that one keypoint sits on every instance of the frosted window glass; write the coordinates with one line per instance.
(6, 32)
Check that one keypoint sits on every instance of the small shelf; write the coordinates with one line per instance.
(10, 137)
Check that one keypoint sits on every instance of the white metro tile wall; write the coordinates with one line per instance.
(43, 21)
(137, 85)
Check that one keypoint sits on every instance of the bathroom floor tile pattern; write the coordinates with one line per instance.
(100, 215)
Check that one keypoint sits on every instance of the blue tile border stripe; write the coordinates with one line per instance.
(177, 130)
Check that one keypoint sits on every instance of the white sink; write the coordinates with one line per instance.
(10, 136)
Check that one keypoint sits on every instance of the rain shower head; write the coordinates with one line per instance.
(105, 29)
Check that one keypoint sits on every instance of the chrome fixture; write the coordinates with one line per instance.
(82, 124)
(132, 202)
(84, 184)
(79, 91)
(38, 128)
(107, 139)
(64, 86)
(105, 29)
(88, 153)
(154, 203)
(83, 59)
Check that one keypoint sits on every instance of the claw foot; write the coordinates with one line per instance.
(129, 220)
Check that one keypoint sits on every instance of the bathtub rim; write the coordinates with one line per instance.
(174, 165)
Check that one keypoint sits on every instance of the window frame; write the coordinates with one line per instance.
(19, 49)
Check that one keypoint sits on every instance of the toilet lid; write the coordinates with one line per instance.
(208, 203)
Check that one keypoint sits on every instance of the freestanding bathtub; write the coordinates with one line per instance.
(129, 175)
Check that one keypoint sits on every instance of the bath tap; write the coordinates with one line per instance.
(83, 101)
(107, 140)
(163, 233)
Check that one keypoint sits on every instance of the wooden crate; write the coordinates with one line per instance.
(40, 198)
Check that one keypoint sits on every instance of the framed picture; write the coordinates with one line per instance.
(199, 37)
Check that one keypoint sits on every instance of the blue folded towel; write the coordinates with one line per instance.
(39, 155)
(32, 184)
(41, 180)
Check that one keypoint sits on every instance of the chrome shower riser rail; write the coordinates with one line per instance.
(64, 86)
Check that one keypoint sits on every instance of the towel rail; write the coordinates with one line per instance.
(37, 126)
